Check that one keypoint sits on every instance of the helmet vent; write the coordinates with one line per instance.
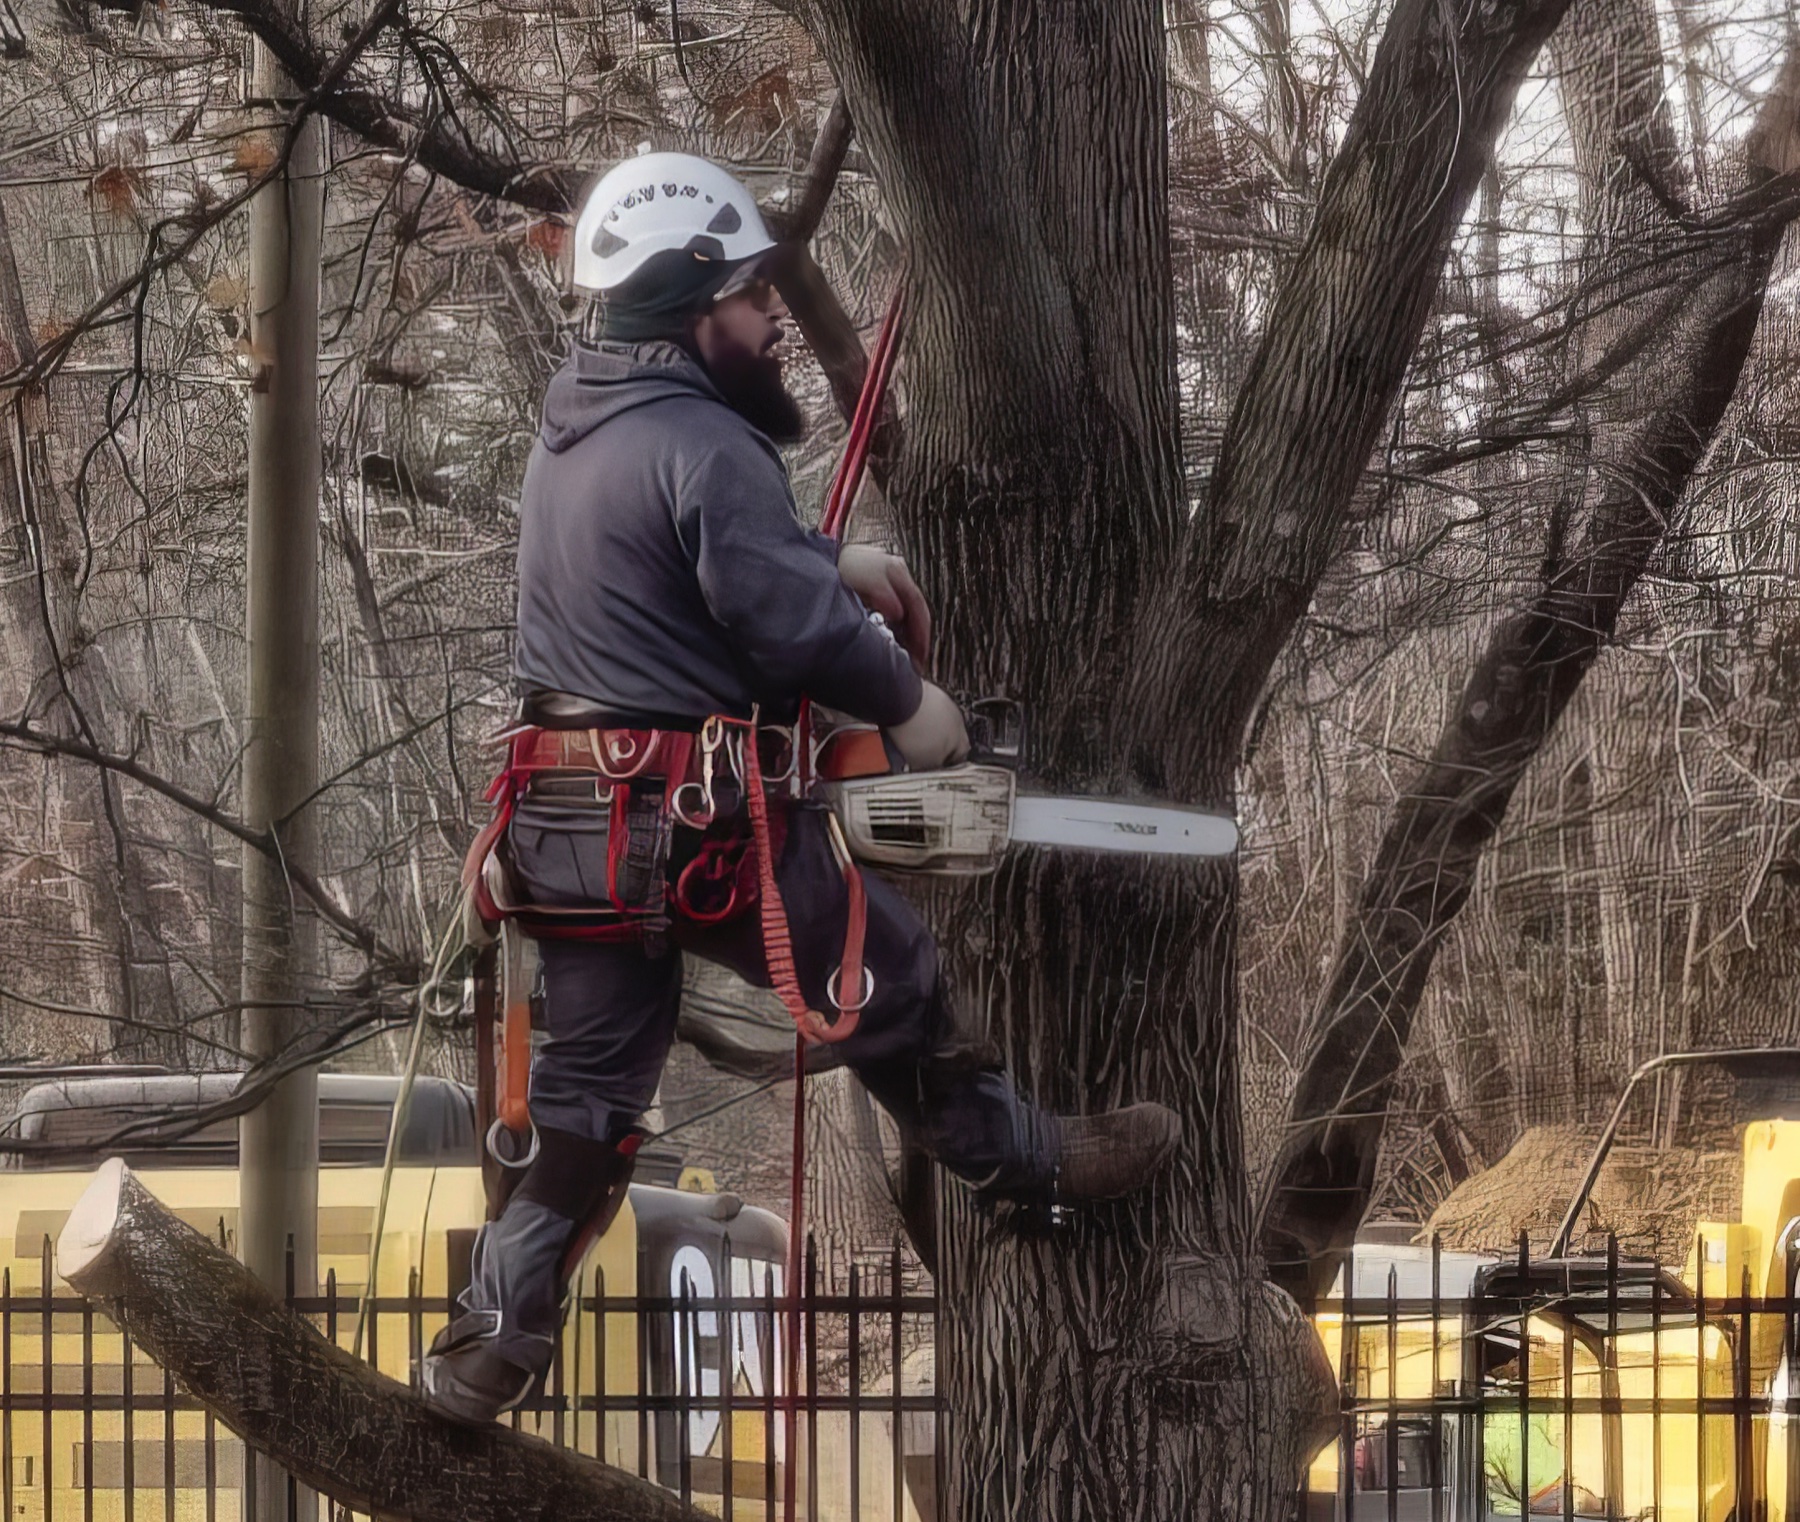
(725, 220)
(607, 243)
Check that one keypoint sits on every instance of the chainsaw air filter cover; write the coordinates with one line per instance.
(955, 822)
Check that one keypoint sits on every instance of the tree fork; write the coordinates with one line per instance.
(1331, 362)
(322, 1414)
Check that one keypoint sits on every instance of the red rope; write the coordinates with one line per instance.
(848, 478)
(777, 945)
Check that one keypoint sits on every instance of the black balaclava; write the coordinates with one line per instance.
(661, 296)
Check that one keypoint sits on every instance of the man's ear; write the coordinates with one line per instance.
(702, 334)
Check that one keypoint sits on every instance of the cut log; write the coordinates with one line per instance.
(352, 1433)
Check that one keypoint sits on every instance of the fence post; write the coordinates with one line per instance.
(1700, 1377)
(1790, 1408)
(1524, 1381)
(1393, 1394)
(1347, 1394)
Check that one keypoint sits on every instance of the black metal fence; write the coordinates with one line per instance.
(688, 1388)
(1472, 1390)
(1475, 1389)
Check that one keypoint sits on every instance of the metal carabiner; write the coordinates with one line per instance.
(712, 734)
(493, 1136)
(619, 748)
(832, 991)
(792, 769)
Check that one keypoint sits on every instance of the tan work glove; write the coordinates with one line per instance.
(935, 735)
(886, 587)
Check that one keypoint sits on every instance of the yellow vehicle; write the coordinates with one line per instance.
(87, 1452)
(1451, 1424)
(1481, 1387)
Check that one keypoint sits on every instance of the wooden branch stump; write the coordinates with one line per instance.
(328, 1418)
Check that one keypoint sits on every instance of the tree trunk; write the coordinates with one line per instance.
(1686, 340)
(326, 1416)
(1128, 1361)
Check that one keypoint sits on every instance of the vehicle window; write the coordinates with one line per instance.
(353, 1132)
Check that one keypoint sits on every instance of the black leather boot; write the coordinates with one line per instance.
(1115, 1153)
(504, 1337)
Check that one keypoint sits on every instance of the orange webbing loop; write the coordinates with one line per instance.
(778, 944)
(511, 1055)
(845, 988)
(850, 970)
(513, 1091)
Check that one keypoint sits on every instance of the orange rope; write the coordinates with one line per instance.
(778, 944)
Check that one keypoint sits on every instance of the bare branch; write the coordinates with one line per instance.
(364, 937)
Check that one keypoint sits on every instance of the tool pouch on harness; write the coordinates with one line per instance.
(564, 851)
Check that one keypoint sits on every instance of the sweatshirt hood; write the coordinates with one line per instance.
(599, 381)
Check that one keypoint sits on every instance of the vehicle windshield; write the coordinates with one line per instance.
(150, 1122)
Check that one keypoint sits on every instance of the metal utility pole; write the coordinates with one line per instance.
(278, 1177)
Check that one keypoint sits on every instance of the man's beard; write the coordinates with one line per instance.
(752, 388)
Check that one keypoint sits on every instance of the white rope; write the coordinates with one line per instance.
(397, 1122)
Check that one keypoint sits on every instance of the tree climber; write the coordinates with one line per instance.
(673, 614)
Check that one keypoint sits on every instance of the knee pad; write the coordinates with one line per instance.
(584, 1181)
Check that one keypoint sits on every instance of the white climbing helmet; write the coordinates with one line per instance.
(661, 201)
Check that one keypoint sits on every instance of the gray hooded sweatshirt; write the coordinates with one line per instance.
(663, 570)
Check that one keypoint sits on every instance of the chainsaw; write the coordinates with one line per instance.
(958, 821)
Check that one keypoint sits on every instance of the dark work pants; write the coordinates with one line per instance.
(611, 1014)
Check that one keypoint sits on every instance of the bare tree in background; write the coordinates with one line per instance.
(1664, 318)
(1169, 301)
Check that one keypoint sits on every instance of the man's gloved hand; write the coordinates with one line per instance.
(934, 736)
(886, 587)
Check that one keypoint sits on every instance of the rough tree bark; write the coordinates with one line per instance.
(1680, 299)
(1132, 1361)
(327, 1417)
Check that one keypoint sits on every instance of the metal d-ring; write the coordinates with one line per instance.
(868, 990)
(498, 1156)
(700, 818)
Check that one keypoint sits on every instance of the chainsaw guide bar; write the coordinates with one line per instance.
(1140, 829)
(959, 822)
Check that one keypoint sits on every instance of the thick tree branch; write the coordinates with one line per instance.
(826, 326)
(435, 141)
(326, 1416)
(820, 179)
(1330, 364)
